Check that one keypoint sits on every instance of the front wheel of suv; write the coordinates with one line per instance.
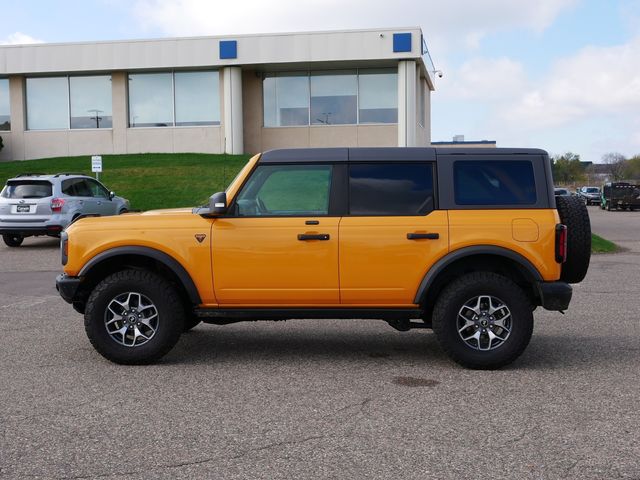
(12, 240)
(134, 317)
(483, 320)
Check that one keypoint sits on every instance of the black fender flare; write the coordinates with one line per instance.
(168, 261)
(451, 257)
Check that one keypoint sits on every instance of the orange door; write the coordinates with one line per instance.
(380, 265)
(392, 234)
(279, 245)
(266, 261)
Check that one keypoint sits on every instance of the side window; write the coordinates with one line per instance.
(69, 187)
(494, 182)
(97, 190)
(391, 189)
(286, 190)
(76, 187)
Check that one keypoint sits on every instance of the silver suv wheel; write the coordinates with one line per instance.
(131, 319)
(484, 322)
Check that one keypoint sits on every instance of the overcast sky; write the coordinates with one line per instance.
(556, 74)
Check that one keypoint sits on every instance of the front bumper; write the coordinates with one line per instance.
(555, 295)
(67, 287)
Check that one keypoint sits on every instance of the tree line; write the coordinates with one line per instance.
(567, 168)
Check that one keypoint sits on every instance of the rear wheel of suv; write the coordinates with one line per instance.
(134, 317)
(575, 216)
(13, 240)
(483, 320)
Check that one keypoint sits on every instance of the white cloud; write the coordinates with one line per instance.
(595, 81)
(586, 102)
(456, 23)
(484, 79)
(19, 38)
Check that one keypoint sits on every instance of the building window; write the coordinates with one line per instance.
(286, 99)
(150, 100)
(55, 103)
(334, 98)
(378, 95)
(90, 101)
(197, 98)
(422, 120)
(47, 103)
(168, 99)
(5, 112)
(340, 97)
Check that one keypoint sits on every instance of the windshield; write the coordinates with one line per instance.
(593, 190)
(27, 189)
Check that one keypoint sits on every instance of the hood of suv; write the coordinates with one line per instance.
(132, 222)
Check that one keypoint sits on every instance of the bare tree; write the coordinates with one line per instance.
(616, 164)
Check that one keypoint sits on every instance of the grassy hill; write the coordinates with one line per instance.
(164, 180)
(153, 180)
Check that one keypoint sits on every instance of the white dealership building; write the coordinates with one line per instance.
(233, 94)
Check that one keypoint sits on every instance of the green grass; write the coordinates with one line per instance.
(149, 181)
(601, 245)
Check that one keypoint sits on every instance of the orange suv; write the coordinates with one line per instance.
(466, 242)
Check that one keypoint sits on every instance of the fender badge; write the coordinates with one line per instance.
(200, 237)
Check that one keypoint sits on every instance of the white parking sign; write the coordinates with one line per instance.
(96, 163)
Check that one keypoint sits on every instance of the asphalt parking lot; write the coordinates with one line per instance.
(323, 399)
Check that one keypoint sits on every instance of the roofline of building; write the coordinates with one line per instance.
(467, 142)
(211, 37)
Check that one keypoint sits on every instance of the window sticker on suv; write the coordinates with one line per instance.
(494, 183)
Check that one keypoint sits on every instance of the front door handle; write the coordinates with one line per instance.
(421, 236)
(313, 236)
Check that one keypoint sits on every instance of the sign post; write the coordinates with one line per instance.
(96, 165)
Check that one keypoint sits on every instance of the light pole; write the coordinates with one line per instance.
(97, 117)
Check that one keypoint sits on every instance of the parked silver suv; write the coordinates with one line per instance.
(39, 204)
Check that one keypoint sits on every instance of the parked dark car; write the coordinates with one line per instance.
(620, 195)
(589, 195)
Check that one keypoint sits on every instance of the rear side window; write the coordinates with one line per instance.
(494, 182)
(77, 187)
(390, 188)
(27, 189)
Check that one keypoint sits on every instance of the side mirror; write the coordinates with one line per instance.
(218, 203)
(112, 195)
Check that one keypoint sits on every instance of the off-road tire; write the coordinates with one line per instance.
(465, 288)
(171, 316)
(575, 216)
(12, 240)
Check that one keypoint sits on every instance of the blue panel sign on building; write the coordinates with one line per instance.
(228, 49)
(401, 42)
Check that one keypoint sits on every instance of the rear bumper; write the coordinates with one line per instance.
(24, 231)
(67, 286)
(555, 295)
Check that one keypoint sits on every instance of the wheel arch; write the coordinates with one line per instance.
(135, 257)
(469, 259)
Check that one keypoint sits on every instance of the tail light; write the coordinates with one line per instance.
(56, 205)
(561, 243)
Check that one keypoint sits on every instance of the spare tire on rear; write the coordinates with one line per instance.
(573, 213)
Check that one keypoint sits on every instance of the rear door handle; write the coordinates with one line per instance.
(423, 236)
(313, 236)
